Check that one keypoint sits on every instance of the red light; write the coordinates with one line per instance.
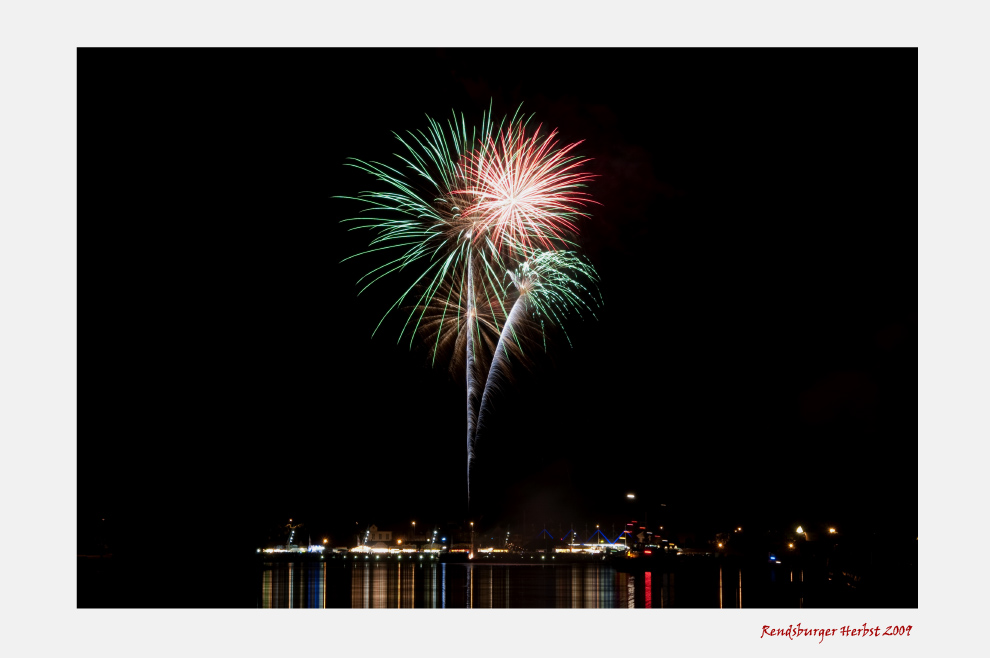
(648, 552)
(642, 528)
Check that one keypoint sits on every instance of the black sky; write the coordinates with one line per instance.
(755, 360)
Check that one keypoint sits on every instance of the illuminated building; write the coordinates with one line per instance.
(376, 535)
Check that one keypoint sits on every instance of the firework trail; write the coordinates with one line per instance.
(551, 285)
(422, 221)
(462, 206)
(444, 326)
(443, 322)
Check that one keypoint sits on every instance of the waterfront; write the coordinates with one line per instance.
(686, 583)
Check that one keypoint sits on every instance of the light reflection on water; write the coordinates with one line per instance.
(391, 585)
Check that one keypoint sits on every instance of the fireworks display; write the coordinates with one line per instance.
(526, 191)
(551, 285)
(485, 220)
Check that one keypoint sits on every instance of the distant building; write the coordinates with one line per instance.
(376, 535)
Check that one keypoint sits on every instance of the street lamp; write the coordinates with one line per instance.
(629, 495)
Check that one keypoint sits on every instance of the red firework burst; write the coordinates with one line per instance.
(526, 189)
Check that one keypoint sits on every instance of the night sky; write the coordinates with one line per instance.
(754, 362)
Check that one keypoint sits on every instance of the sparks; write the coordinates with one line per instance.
(464, 210)
(527, 190)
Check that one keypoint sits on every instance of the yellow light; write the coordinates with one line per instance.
(720, 544)
(831, 531)
(790, 546)
(325, 540)
(400, 541)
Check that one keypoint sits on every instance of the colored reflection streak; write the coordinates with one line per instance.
(625, 590)
(314, 587)
(360, 586)
(266, 588)
(667, 590)
(293, 586)
(409, 584)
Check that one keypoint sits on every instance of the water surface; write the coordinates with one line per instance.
(436, 585)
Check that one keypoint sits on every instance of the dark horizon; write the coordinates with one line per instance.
(755, 361)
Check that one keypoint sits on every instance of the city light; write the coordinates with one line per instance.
(831, 531)
(630, 495)
(799, 530)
